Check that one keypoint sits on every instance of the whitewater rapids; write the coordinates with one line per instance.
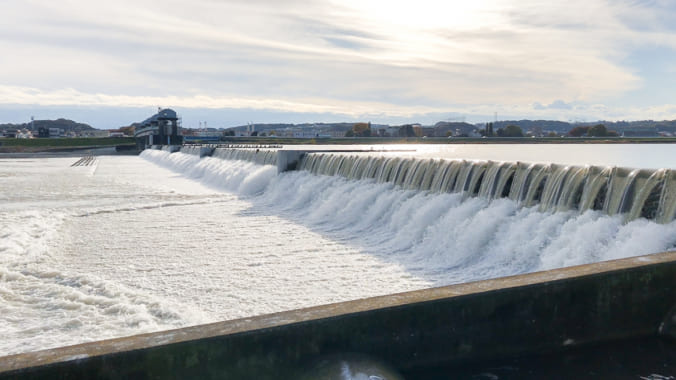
(139, 244)
(443, 238)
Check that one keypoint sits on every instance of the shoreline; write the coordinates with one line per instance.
(19, 148)
(63, 152)
(446, 140)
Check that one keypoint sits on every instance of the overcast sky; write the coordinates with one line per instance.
(111, 63)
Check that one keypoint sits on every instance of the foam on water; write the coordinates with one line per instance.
(444, 238)
(129, 247)
(44, 306)
(241, 177)
(134, 245)
(44, 303)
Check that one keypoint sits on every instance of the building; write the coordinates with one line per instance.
(163, 128)
(95, 133)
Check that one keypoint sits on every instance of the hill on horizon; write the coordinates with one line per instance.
(65, 124)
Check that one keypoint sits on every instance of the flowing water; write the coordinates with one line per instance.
(123, 245)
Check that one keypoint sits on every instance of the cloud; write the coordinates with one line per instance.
(67, 97)
(327, 56)
(557, 104)
(243, 109)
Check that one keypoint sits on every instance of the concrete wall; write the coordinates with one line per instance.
(198, 150)
(288, 159)
(535, 313)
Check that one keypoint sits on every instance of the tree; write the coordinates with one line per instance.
(128, 131)
(489, 130)
(512, 131)
(578, 131)
(349, 133)
(599, 130)
(406, 131)
(362, 129)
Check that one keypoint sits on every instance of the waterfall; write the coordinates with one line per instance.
(255, 155)
(453, 221)
(192, 149)
(634, 193)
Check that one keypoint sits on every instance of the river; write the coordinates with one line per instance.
(133, 244)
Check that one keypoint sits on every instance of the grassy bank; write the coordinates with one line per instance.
(67, 144)
(442, 140)
(61, 144)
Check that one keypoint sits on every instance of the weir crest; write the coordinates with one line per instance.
(634, 193)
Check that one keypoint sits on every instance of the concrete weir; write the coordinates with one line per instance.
(546, 312)
(288, 159)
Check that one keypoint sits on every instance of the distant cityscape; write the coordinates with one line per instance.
(63, 128)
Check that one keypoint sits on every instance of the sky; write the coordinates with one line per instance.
(228, 63)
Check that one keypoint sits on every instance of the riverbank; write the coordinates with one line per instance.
(59, 153)
(77, 146)
(445, 140)
(65, 145)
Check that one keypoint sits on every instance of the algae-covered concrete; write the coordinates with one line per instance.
(534, 313)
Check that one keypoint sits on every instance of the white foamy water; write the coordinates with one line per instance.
(125, 246)
(139, 244)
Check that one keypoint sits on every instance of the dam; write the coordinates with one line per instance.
(635, 193)
(477, 261)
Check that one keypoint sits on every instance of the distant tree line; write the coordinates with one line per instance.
(65, 124)
(508, 131)
(359, 130)
(406, 130)
(598, 130)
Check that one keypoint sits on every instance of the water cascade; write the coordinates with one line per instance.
(197, 150)
(228, 235)
(634, 193)
(255, 155)
(452, 221)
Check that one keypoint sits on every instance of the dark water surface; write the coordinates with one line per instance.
(651, 358)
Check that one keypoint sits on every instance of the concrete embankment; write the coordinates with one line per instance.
(546, 312)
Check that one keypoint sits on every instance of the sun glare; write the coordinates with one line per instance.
(425, 14)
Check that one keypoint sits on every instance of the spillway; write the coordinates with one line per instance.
(633, 193)
(480, 227)
(450, 221)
